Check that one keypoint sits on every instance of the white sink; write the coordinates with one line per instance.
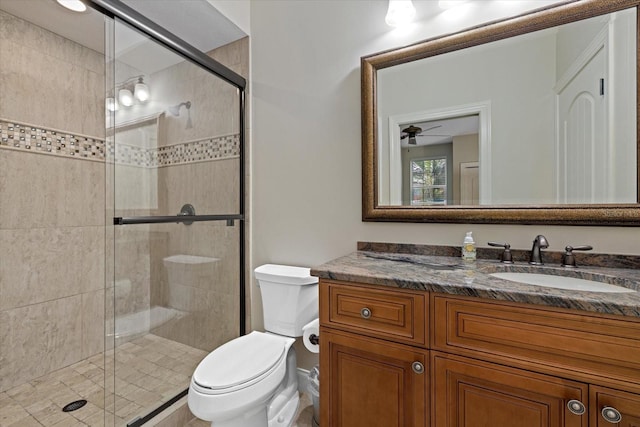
(561, 282)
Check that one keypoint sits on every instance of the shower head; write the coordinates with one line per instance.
(175, 109)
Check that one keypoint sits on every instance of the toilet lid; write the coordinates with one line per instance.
(240, 361)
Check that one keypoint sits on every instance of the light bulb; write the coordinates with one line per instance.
(141, 91)
(111, 104)
(75, 5)
(126, 97)
(400, 12)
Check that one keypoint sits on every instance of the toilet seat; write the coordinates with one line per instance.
(240, 363)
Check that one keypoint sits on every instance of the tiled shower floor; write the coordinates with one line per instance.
(149, 370)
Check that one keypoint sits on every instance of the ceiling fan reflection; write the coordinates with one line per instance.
(412, 132)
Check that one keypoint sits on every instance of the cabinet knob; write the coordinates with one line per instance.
(365, 313)
(576, 407)
(417, 367)
(611, 415)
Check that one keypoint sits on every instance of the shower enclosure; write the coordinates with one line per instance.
(122, 213)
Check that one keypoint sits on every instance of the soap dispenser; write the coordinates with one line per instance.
(468, 248)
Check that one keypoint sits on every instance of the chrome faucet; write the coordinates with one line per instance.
(540, 242)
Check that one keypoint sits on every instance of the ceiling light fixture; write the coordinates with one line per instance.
(74, 5)
(400, 12)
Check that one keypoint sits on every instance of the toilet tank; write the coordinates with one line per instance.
(289, 298)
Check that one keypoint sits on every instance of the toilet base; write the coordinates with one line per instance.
(257, 418)
(285, 417)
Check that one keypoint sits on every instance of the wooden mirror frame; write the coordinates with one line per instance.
(596, 214)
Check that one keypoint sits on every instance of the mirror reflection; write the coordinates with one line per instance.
(539, 119)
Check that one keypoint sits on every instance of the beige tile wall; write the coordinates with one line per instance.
(207, 299)
(211, 114)
(51, 207)
(52, 212)
(51, 270)
(211, 187)
(49, 80)
(206, 296)
(236, 57)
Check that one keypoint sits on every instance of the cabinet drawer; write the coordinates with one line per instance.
(541, 338)
(398, 315)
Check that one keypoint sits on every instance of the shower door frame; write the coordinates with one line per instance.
(116, 9)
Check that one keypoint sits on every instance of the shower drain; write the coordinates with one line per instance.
(74, 406)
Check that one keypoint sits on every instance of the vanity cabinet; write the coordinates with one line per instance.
(374, 363)
(570, 344)
(371, 382)
(389, 314)
(606, 405)
(552, 355)
(473, 393)
(480, 362)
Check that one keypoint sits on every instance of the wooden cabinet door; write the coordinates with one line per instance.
(366, 382)
(613, 402)
(471, 393)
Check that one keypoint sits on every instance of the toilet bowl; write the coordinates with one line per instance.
(251, 381)
(232, 385)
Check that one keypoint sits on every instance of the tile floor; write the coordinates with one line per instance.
(148, 370)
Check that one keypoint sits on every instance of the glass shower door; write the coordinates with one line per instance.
(175, 191)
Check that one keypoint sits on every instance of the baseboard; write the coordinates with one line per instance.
(303, 380)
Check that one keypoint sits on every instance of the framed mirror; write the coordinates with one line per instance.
(530, 120)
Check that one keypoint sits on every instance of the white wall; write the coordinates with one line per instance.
(623, 84)
(306, 170)
(574, 38)
(237, 11)
(522, 116)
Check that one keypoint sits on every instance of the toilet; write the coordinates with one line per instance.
(251, 381)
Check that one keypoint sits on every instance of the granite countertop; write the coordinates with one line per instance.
(452, 275)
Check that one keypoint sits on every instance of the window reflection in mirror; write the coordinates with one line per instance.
(435, 162)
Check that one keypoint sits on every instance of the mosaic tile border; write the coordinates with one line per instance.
(23, 137)
(129, 155)
(19, 136)
(223, 147)
(204, 150)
